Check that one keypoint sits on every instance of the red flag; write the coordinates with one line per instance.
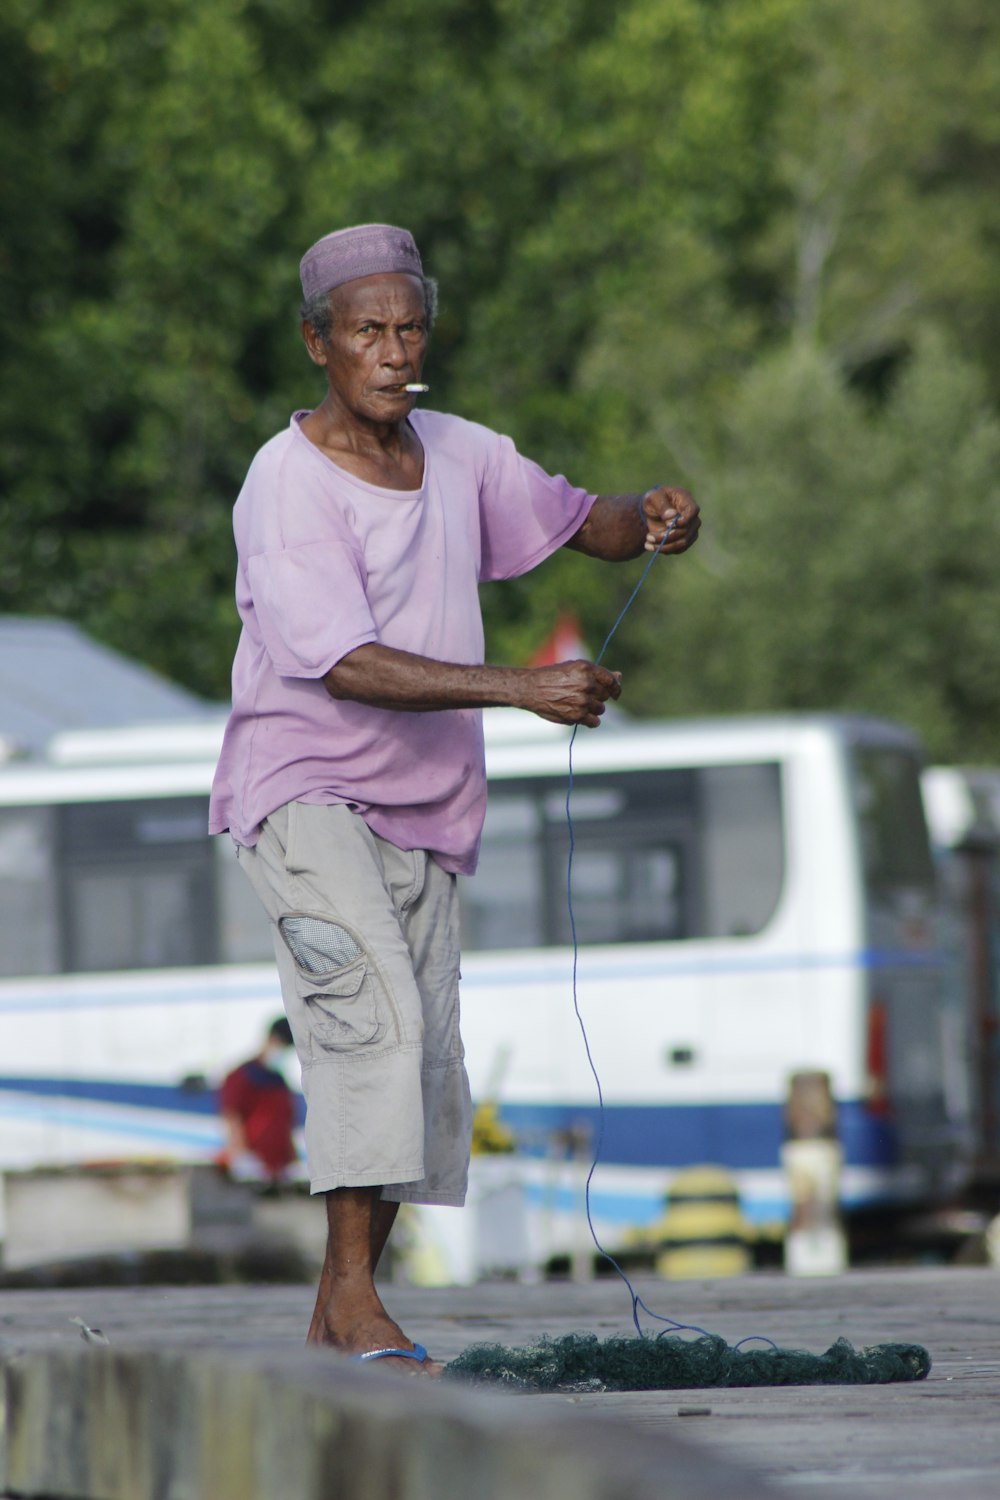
(563, 643)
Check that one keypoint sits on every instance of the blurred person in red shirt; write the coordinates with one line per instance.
(259, 1115)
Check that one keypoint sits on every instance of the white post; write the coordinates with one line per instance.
(812, 1157)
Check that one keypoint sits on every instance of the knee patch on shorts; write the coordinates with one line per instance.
(318, 946)
(333, 981)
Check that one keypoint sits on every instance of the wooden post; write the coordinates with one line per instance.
(815, 1243)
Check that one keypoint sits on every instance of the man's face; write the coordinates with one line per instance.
(376, 347)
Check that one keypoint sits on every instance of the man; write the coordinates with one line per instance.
(352, 773)
(258, 1113)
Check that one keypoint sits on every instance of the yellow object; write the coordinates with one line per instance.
(490, 1137)
(703, 1231)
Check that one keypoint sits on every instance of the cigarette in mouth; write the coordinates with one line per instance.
(416, 388)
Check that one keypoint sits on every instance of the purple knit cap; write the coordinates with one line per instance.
(364, 250)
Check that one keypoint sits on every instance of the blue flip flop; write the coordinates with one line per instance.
(418, 1353)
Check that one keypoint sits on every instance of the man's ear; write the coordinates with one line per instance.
(315, 348)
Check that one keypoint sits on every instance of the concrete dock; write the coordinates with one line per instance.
(179, 1407)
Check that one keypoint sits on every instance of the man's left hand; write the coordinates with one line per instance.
(660, 507)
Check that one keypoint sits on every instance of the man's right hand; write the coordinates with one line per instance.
(571, 692)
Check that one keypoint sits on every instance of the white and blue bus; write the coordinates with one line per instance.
(752, 897)
(963, 812)
(133, 965)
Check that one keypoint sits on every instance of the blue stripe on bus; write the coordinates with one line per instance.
(193, 993)
(636, 1210)
(61, 1112)
(744, 1137)
(170, 1097)
(739, 1136)
(635, 1135)
(668, 967)
(640, 1210)
(676, 1135)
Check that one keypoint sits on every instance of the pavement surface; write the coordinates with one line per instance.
(937, 1437)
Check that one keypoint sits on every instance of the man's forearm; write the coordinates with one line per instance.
(386, 678)
(615, 529)
(572, 692)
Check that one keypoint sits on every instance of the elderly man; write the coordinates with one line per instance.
(352, 774)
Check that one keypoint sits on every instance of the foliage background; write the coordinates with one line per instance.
(747, 245)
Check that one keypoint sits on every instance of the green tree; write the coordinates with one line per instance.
(145, 322)
(743, 244)
(851, 561)
(887, 150)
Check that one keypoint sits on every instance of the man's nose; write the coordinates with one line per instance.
(394, 349)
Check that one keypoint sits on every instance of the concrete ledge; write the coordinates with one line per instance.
(247, 1424)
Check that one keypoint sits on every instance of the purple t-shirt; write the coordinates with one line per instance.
(327, 563)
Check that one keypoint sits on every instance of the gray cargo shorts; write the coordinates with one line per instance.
(367, 944)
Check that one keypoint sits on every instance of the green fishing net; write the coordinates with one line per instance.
(583, 1362)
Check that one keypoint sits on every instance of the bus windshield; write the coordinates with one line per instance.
(894, 844)
(657, 856)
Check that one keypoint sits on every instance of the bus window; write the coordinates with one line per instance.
(503, 905)
(894, 842)
(624, 893)
(743, 850)
(657, 856)
(132, 918)
(245, 932)
(137, 885)
(29, 931)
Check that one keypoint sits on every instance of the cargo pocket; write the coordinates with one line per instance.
(332, 981)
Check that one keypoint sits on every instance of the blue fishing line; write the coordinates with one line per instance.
(671, 1324)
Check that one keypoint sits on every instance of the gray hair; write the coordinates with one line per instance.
(318, 311)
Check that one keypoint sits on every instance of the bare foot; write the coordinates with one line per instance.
(349, 1315)
(364, 1335)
